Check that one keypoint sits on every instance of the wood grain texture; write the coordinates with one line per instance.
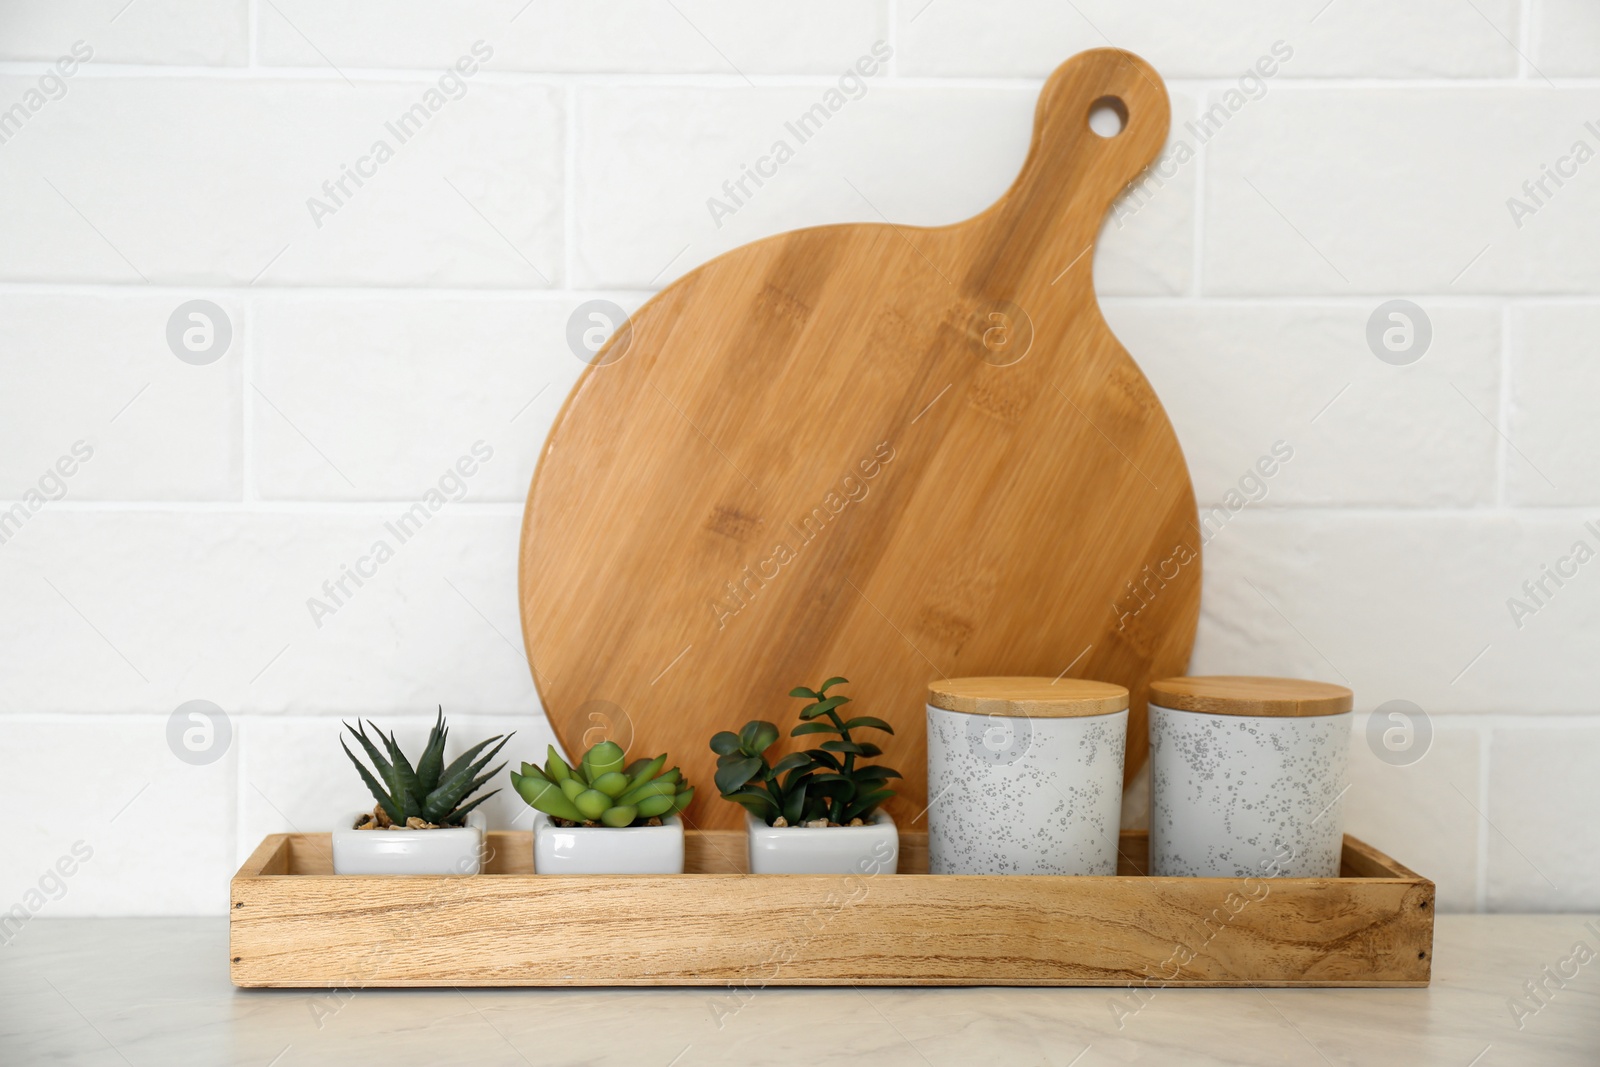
(296, 924)
(1231, 694)
(1034, 698)
(891, 453)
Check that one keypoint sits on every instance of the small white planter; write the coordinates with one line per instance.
(607, 849)
(452, 851)
(870, 849)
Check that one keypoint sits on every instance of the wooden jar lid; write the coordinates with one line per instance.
(1034, 698)
(1231, 694)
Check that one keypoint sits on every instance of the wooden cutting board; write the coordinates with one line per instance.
(885, 452)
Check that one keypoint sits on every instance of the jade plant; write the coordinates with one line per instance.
(600, 791)
(427, 795)
(822, 786)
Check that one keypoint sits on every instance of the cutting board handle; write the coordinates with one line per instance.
(1072, 174)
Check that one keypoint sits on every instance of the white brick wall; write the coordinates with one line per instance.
(424, 310)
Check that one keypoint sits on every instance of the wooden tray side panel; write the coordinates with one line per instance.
(741, 930)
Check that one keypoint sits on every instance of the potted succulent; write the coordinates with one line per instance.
(817, 811)
(600, 817)
(424, 821)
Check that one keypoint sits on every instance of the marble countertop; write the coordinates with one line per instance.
(156, 991)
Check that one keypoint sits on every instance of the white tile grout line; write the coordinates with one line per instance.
(569, 179)
(892, 37)
(253, 35)
(1527, 31)
(247, 413)
(695, 79)
(1197, 254)
(366, 290)
(1503, 415)
(1485, 747)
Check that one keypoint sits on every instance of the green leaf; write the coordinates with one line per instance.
(682, 800)
(592, 803)
(389, 807)
(794, 807)
(645, 773)
(619, 816)
(458, 781)
(409, 791)
(384, 767)
(604, 758)
(725, 743)
(875, 774)
(755, 801)
(868, 721)
(863, 805)
(531, 770)
(804, 693)
(555, 768)
(432, 761)
(822, 727)
(649, 789)
(797, 777)
(830, 683)
(730, 778)
(464, 761)
(848, 747)
(822, 707)
(756, 737)
(613, 784)
(827, 759)
(546, 797)
(650, 807)
(460, 816)
(791, 761)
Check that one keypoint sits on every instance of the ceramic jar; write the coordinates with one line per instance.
(456, 850)
(1025, 775)
(1247, 777)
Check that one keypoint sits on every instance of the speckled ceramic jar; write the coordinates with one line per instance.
(1247, 777)
(1025, 775)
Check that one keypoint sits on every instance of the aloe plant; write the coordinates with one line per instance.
(822, 784)
(429, 791)
(600, 791)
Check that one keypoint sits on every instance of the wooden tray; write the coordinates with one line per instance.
(294, 923)
(887, 452)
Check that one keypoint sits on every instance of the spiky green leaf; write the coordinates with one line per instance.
(378, 792)
(409, 791)
(431, 765)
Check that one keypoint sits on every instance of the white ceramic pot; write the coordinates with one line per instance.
(452, 851)
(1025, 775)
(607, 849)
(870, 849)
(1247, 777)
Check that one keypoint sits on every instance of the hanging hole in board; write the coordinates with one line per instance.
(1108, 116)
